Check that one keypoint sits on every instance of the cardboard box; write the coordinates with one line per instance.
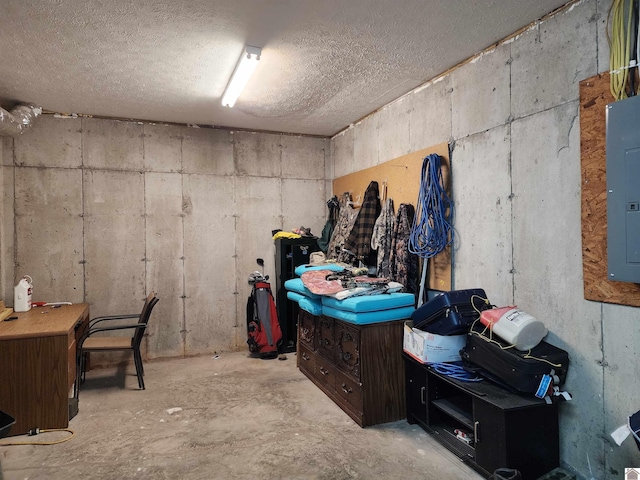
(428, 347)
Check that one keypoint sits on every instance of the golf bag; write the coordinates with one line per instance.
(263, 328)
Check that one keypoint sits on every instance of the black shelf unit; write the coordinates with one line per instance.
(506, 430)
(290, 253)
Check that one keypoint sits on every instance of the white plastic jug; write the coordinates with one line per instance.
(515, 326)
(22, 295)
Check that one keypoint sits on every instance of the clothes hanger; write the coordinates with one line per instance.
(355, 204)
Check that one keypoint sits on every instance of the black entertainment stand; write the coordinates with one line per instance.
(503, 430)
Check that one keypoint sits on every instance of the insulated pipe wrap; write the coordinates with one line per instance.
(19, 120)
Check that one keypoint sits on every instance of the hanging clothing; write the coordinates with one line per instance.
(344, 224)
(358, 243)
(382, 236)
(404, 264)
(327, 231)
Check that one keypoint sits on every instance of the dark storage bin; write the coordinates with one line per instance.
(6, 422)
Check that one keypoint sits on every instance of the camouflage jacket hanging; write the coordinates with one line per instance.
(404, 264)
(381, 238)
(346, 219)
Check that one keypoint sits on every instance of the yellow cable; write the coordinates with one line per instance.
(528, 355)
(44, 443)
(620, 47)
(484, 300)
(507, 347)
(614, 50)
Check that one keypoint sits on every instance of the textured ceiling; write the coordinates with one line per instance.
(325, 63)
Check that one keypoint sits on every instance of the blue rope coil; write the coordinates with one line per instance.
(455, 370)
(432, 230)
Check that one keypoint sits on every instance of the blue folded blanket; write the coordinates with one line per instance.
(369, 317)
(371, 303)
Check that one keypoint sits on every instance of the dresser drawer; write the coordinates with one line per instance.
(325, 373)
(307, 330)
(306, 360)
(347, 345)
(349, 390)
(326, 340)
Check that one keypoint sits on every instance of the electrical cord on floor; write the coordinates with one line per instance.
(37, 431)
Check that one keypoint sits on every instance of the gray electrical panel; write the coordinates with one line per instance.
(623, 190)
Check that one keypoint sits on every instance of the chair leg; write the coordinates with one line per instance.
(140, 362)
(137, 358)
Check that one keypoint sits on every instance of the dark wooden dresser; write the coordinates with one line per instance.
(359, 367)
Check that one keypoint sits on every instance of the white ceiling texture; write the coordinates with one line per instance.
(325, 63)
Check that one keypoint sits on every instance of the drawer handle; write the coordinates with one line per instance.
(325, 342)
(305, 356)
(476, 432)
(345, 389)
(323, 371)
(422, 396)
(346, 356)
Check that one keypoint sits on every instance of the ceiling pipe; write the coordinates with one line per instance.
(18, 120)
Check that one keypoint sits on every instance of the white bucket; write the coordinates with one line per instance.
(22, 295)
(514, 326)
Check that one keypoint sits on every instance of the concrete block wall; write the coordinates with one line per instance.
(511, 115)
(104, 211)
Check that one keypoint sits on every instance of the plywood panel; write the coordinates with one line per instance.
(594, 96)
(401, 176)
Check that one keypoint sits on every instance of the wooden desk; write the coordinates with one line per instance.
(38, 365)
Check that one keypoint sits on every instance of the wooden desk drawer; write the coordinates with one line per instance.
(71, 358)
(71, 363)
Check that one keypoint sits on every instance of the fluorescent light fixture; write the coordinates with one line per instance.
(246, 65)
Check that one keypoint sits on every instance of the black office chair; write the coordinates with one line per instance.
(131, 341)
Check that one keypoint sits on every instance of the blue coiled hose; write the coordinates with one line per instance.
(432, 230)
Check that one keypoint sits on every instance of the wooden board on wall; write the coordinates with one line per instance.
(402, 178)
(595, 94)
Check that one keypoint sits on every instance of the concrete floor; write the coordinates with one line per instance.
(240, 418)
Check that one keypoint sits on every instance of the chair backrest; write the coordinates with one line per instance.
(149, 303)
